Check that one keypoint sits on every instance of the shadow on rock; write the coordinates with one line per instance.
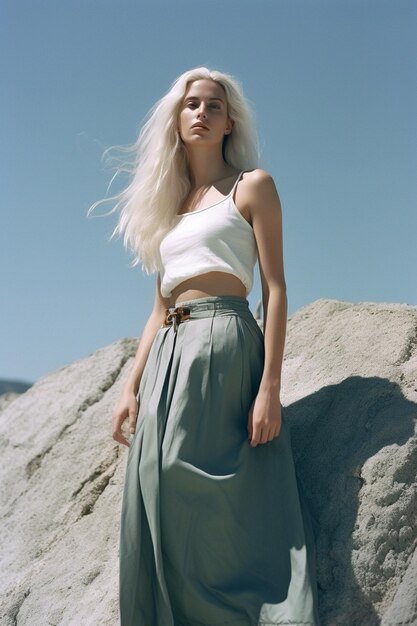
(333, 433)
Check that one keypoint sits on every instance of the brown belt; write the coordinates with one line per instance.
(175, 317)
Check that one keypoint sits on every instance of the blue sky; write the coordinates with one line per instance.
(333, 84)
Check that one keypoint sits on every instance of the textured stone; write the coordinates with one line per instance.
(350, 397)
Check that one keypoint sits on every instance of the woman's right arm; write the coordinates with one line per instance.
(127, 406)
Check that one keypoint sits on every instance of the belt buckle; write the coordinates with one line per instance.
(175, 317)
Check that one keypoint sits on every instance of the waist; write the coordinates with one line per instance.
(211, 306)
(209, 284)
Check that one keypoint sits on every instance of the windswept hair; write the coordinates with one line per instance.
(159, 172)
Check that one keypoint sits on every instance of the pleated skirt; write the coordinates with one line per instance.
(214, 532)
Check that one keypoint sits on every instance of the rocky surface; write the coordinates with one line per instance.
(350, 397)
(6, 398)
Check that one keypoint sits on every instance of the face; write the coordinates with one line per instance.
(204, 103)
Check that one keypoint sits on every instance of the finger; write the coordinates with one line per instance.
(271, 434)
(256, 436)
(118, 436)
(132, 421)
(275, 431)
(265, 436)
(260, 434)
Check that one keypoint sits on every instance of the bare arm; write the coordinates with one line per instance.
(265, 416)
(128, 402)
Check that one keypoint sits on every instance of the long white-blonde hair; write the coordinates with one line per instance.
(159, 173)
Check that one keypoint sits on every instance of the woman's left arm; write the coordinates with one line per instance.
(264, 419)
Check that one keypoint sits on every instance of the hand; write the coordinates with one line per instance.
(265, 418)
(127, 407)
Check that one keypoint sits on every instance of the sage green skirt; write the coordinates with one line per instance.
(213, 531)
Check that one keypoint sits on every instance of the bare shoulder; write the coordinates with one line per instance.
(257, 176)
(259, 193)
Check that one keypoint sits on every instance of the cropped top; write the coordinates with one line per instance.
(213, 238)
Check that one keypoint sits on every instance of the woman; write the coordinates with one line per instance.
(213, 527)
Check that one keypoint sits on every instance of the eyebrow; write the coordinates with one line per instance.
(196, 98)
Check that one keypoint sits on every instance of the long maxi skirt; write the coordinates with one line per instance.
(214, 532)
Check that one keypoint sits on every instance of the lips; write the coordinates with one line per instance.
(199, 126)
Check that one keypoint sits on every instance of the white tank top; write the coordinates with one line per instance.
(214, 238)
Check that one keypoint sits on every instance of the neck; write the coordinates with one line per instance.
(206, 166)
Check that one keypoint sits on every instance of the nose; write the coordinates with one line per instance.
(202, 110)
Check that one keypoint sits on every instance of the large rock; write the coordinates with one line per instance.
(350, 397)
(350, 393)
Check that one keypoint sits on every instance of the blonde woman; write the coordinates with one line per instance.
(213, 530)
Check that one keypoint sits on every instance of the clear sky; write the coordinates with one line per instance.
(333, 84)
